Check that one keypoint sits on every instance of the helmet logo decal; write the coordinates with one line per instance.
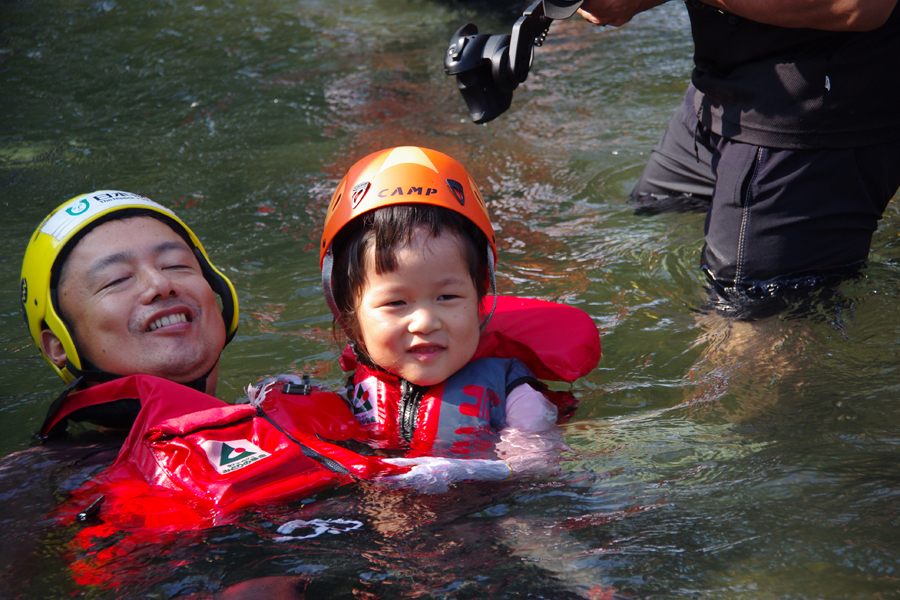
(84, 209)
(398, 191)
(24, 291)
(458, 192)
(79, 208)
(359, 191)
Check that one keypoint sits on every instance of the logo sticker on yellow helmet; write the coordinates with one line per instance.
(61, 224)
(78, 208)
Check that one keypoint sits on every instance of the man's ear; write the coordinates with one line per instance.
(53, 348)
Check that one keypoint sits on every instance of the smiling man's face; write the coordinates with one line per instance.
(136, 302)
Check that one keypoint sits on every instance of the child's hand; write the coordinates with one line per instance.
(432, 475)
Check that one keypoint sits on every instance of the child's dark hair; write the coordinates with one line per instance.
(386, 229)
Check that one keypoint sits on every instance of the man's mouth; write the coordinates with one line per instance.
(168, 320)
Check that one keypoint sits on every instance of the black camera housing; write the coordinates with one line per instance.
(489, 67)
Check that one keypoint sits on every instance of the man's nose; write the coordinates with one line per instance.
(157, 284)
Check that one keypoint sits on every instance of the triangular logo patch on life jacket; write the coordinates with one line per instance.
(364, 401)
(226, 457)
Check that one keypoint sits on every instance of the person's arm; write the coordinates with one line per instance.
(532, 441)
(529, 410)
(829, 15)
(615, 12)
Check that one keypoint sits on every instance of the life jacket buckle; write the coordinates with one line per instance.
(298, 389)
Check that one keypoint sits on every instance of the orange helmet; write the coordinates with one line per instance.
(405, 175)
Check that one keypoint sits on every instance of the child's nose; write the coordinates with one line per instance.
(424, 320)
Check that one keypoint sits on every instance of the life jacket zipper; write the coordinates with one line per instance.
(307, 451)
(410, 399)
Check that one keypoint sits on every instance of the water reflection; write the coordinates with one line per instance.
(710, 457)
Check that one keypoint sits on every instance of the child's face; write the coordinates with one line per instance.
(421, 320)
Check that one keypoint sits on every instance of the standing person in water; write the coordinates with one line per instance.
(408, 255)
(788, 137)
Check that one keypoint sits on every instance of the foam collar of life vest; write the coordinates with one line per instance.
(557, 342)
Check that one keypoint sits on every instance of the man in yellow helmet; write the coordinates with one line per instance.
(114, 284)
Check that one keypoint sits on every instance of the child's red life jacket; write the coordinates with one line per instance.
(457, 418)
(525, 340)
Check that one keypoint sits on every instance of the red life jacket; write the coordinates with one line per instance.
(211, 456)
(191, 460)
(459, 416)
(462, 414)
(201, 458)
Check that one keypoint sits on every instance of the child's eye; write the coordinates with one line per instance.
(447, 297)
(395, 303)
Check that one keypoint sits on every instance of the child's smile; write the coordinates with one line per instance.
(421, 320)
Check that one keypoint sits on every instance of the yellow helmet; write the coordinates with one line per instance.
(58, 234)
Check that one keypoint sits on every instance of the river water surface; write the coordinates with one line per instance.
(709, 459)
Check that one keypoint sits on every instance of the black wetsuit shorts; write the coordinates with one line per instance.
(772, 214)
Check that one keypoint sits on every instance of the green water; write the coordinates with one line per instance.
(757, 461)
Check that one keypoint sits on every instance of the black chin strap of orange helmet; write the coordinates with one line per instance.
(327, 266)
(493, 278)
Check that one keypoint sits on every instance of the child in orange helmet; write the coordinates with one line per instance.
(407, 256)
